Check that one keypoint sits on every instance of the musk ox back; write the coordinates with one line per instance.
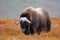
(38, 18)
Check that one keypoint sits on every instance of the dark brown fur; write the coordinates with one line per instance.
(38, 22)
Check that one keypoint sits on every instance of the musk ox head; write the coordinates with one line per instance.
(24, 23)
(35, 20)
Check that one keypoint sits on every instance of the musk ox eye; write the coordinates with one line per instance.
(28, 17)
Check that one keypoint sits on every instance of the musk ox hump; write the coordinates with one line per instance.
(28, 9)
(39, 10)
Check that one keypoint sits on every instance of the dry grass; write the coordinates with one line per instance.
(10, 30)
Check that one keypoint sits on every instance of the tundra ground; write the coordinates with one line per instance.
(10, 30)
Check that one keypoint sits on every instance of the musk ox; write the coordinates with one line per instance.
(35, 20)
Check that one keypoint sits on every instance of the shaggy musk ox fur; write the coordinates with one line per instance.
(39, 20)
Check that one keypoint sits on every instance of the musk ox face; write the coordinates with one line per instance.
(25, 23)
(35, 20)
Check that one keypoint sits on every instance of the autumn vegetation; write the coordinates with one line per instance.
(10, 30)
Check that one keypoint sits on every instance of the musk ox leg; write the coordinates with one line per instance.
(39, 31)
(31, 29)
(48, 25)
(27, 31)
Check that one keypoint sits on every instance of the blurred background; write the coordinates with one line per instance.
(13, 8)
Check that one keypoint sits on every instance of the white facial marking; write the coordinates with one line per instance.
(24, 19)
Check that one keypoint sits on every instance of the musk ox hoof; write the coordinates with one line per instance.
(26, 33)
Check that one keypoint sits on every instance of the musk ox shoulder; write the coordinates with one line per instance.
(37, 19)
